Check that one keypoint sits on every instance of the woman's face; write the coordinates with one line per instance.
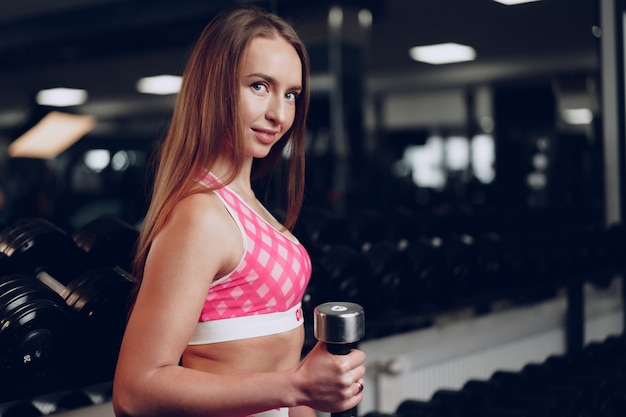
(269, 87)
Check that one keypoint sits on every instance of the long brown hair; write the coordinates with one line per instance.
(205, 122)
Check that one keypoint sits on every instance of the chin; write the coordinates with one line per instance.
(260, 152)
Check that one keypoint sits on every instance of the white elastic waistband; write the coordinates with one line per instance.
(237, 328)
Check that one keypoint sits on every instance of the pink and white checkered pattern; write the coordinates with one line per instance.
(272, 275)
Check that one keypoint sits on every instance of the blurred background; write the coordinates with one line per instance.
(498, 129)
(472, 203)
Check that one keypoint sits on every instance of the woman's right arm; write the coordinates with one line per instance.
(197, 244)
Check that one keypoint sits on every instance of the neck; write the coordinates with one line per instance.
(241, 183)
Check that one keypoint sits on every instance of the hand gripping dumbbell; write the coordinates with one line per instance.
(340, 325)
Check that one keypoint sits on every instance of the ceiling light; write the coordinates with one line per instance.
(444, 53)
(54, 133)
(160, 84)
(365, 18)
(513, 2)
(61, 97)
(335, 17)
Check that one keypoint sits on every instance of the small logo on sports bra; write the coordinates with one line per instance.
(299, 314)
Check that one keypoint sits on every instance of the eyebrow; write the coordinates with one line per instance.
(273, 80)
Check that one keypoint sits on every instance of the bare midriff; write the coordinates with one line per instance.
(277, 352)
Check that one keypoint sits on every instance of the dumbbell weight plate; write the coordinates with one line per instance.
(99, 298)
(20, 235)
(34, 323)
(5, 265)
(16, 289)
(99, 288)
(108, 240)
(35, 244)
(32, 338)
(16, 295)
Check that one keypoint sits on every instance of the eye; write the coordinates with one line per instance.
(292, 96)
(259, 87)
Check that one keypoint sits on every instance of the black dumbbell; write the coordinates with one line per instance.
(455, 402)
(33, 245)
(71, 400)
(108, 241)
(418, 408)
(34, 328)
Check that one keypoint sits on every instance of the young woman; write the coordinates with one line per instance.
(216, 326)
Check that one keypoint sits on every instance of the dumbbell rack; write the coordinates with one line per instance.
(63, 306)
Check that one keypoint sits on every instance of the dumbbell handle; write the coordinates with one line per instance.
(52, 283)
(340, 325)
(340, 349)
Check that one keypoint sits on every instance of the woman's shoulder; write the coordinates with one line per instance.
(200, 210)
(198, 222)
(198, 201)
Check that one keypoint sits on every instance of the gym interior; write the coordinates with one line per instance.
(473, 208)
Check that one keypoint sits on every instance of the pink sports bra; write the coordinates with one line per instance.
(263, 295)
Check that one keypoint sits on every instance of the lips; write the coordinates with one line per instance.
(265, 136)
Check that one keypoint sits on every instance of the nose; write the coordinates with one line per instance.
(277, 111)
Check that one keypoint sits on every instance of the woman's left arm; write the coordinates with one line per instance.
(302, 412)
